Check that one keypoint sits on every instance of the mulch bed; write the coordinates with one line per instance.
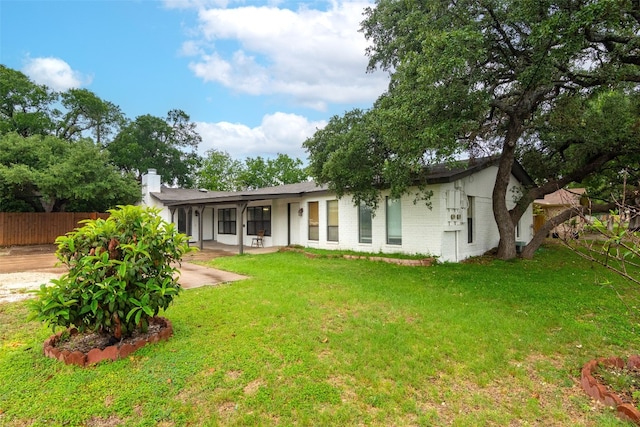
(624, 382)
(85, 342)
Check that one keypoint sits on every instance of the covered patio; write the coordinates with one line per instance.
(212, 249)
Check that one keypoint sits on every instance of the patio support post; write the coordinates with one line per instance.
(199, 214)
(241, 206)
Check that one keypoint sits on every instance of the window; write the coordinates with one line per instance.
(182, 221)
(470, 219)
(258, 218)
(332, 220)
(364, 224)
(314, 221)
(227, 221)
(394, 221)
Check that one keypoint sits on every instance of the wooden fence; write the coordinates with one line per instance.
(31, 228)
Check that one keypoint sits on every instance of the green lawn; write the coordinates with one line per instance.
(323, 342)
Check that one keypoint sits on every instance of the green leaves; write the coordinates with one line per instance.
(220, 172)
(166, 144)
(120, 273)
(50, 174)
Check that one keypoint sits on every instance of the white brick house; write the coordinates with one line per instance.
(458, 224)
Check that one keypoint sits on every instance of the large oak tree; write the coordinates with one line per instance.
(479, 77)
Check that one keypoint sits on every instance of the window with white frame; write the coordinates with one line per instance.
(364, 224)
(394, 221)
(332, 221)
(314, 221)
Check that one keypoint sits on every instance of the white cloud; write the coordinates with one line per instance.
(55, 73)
(191, 4)
(278, 133)
(316, 57)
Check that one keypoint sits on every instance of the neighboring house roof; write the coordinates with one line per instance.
(562, 197)
(437, 174)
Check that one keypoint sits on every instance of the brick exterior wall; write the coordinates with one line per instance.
(427, 231)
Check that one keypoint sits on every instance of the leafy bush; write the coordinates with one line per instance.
(122, 271)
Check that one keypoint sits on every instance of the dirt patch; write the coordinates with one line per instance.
(226, 409)
(206, 255)
(251, 388)
(112, 421)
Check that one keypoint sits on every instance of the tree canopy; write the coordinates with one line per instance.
(25, 107)
(481, 78)
(86, 112)
(49, 174)
(165, 144)
(47, 160)
(259, 172)
(220, 172)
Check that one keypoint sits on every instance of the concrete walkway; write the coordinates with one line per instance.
(42, 259)
(195, 276)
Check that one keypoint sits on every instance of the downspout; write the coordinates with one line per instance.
(288, 224)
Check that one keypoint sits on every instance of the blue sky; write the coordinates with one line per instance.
(258, 77)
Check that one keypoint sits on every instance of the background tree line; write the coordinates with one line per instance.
(73, 151)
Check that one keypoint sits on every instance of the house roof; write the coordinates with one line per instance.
(178, 196)
(437, 174)
(562, 197)
(444, 172)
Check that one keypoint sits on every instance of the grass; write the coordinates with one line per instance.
(341, 252)
(346, 342)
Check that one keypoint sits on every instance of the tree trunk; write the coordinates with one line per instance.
(535, 243)
(506, 227)
(563, 216)
(546, 228)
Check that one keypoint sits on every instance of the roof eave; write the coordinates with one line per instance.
(242, 198)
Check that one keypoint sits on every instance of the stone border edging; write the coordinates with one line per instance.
(112, 352)
(597, 391)
(425, 262)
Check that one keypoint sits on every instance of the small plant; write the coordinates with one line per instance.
(122, 272)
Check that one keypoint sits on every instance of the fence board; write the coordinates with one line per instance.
(35, 228)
